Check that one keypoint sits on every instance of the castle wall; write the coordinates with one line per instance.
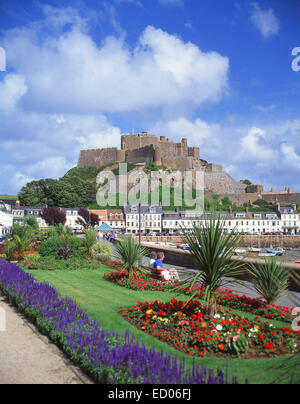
(179, 163)
(131, 142)
(238, 199)
(142, 155)
(258, 189)
(194, 152)
(100, 157)
(282, 198)
(214, 168)
(222, 183)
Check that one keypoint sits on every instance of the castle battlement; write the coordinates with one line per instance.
(143, 148)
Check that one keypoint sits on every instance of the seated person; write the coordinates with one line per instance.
(158, 264)
(153, 258)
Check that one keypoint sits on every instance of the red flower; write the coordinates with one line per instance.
(221, 346)
(269, 345)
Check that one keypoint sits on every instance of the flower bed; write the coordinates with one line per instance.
(107, 356)
(185, 326)
(225, 297)
(53, 264)
(121, 278)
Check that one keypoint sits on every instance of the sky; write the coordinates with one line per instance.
(222, 73)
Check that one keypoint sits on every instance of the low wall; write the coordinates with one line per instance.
(184, 258)
(246, 241)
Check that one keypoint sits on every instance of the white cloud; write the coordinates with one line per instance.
(12, 88)
(291, 157)
(198, 132)
(69, 73)
(19, 180)
(264, 20)
(253, 147)
(46, 145)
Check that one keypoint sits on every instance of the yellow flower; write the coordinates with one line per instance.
(154, 317)
(256, 328)
(149, 311)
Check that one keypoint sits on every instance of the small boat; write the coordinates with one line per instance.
(277, 251)
(239, 251)
(267, 252)
(254, 249)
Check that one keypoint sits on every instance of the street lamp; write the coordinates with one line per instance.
(140, 166)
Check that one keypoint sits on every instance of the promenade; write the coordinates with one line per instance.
(26, 357)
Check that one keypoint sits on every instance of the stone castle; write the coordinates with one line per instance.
(144, 148)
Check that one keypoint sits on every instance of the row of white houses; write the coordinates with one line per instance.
(284, 220)
(154, 220)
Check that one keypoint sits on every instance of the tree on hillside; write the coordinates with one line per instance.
(87, 219)
(247, 182)
(75, 189)
(37, 193)
(53, 216)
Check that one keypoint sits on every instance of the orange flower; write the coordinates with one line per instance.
(221, 346)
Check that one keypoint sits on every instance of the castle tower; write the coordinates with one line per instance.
(158, 157)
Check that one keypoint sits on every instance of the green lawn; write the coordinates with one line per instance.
(103, 299)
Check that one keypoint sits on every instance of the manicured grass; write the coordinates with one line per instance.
(103, 300)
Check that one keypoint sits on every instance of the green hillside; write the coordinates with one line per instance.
(78, 188)
(8, 198)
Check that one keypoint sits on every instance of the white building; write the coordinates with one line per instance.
(116, 220)
(241, 222)
(72, 218)
(6, 220)
(151, 218)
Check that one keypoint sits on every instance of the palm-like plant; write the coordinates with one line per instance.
(269, 279)
(22, 243)
(213, 249)
(89, 241)
(130, 253)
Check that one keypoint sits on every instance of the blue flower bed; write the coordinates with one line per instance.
(107, 356)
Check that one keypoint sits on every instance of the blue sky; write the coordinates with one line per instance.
(81, 73)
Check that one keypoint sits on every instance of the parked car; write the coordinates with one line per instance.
(152, 233)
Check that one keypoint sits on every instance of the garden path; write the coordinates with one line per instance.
(28, 358)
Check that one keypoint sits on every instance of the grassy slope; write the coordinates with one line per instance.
(103, 300)
(8, 197)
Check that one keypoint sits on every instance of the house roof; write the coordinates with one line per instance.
(144, 209)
